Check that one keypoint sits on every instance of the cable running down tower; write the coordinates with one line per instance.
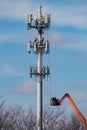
(40, 47)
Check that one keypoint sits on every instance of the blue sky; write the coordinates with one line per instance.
(67, 58)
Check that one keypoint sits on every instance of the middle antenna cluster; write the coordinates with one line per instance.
(44, 46)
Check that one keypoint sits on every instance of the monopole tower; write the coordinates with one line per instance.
(40, 47)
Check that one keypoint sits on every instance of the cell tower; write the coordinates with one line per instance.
(40, 47)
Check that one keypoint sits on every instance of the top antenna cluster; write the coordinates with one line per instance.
(41, 22)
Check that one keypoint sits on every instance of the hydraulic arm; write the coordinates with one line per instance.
(57, 102)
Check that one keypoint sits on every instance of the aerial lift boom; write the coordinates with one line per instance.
(57, 102)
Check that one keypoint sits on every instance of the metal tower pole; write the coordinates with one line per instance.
(39, 47)
(39, 87)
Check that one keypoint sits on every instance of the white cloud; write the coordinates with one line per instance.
(78, 84)
(74, 15)
(62, 39)
(12, 37)
(12, 9)
(8, 70)
(16, 9)
(79, 97)
(26, 87)
(80, 60)
(69, 40)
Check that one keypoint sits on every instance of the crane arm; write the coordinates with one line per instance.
(76, 109)
(57, 102)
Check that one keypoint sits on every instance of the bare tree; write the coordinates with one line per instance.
(17, 118)
(73, 123)
(51, 119)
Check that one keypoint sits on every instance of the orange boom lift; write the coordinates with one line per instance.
(57, 102)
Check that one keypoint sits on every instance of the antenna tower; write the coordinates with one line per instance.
(40, 47)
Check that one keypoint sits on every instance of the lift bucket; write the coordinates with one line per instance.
(54, 102)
